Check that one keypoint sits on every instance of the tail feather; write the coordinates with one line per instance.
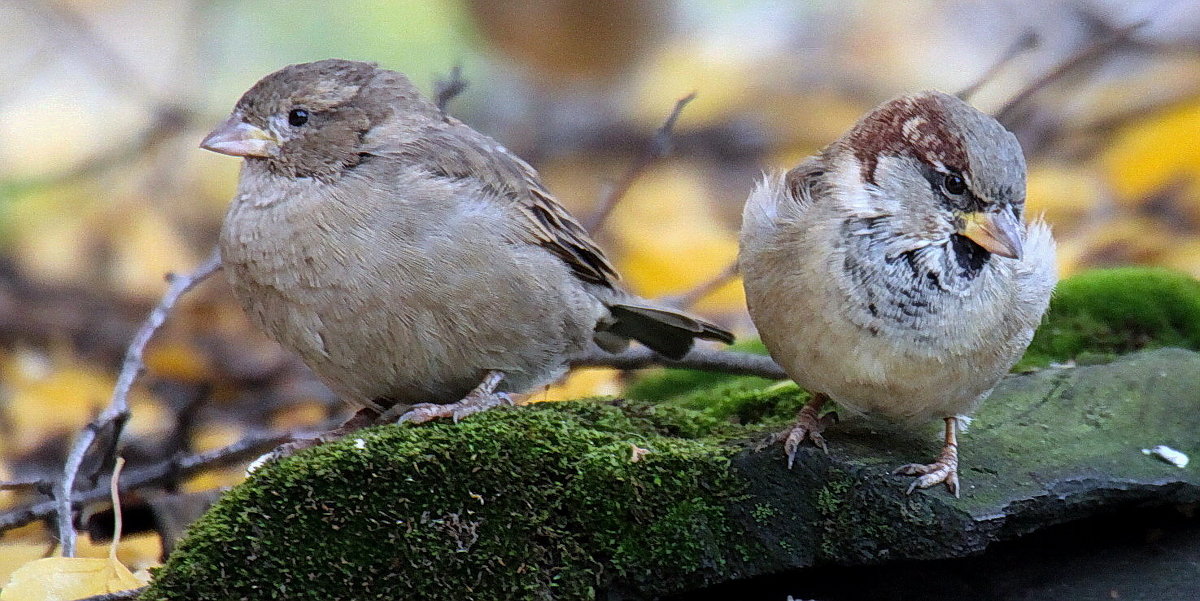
(668, 333)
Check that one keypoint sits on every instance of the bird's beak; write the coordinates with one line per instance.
(235, 137)
(998, 232)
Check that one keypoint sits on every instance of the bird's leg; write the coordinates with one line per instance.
(809, 424)
(944, 470)
(483, 397)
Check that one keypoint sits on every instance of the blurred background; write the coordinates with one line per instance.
(103, 188)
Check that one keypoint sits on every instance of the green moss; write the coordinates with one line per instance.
(763, 512)
(1107, 312)
(857, 520)
(427, 512)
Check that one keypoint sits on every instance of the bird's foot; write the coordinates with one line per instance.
(942, 471)
(426, 412)
(482, 398)
(809, 425)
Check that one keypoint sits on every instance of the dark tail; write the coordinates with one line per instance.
(666, 332)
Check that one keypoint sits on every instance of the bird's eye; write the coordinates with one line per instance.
(954, 184)
(297, 117)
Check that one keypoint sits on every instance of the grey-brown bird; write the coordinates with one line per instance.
(410, 261)
(893, 271)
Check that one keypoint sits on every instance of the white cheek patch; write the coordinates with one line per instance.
(847, 179)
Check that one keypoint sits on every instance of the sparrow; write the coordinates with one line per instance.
(893, 272)
(418, 267)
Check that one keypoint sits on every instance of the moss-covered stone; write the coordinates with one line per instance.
(537, 503)
(547, 501)
(1103, 313)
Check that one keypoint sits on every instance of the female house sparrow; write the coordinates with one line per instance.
(892, 271)
(408, 258)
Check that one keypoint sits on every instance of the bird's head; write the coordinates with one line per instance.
(310, 120)
(940, 171)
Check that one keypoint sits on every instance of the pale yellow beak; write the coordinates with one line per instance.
(235, 137)
(996, 231)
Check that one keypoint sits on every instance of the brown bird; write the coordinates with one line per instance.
(893, 273)
(413, 263)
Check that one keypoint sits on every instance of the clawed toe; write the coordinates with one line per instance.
(796, 435)
(942, 471)
(808, 425)
(482, 398)
(425, 412)
(930, 474)
(472, 404)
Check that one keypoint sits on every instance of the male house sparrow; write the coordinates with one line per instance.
(892, 272)
(408, 258)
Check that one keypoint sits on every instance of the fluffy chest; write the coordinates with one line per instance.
(900, 335)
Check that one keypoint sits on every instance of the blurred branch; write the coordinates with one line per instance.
(658, 148)
(168, 121)
(117, 412)
(705, 288)
(730, 362)
(447, 89)
(41, 486)
(1131, 114)
(92, 49)
(167, 471)
(1025, 42)
(1081, 57)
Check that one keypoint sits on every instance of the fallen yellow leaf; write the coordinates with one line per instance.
(68, 578)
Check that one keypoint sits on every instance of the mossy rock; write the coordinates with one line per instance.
(542, 502)
(1108, 312)
(548, 502)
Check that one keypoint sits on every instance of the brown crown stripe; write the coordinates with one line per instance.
(910, 125)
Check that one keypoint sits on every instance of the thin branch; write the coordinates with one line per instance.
(705, 288)
(730, 362)
(1025, 42)
(447, 89)
(658, 148)
(167, 471)
(1076, 60)
(24, 485)
(117, 413)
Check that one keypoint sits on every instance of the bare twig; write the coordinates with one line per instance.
(446, 89)
(730, 362)
(705, 288)
(658, 148)
(167, 471)
(24, 485)
(117, 413)
(1076, 60)
(1026, 41)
